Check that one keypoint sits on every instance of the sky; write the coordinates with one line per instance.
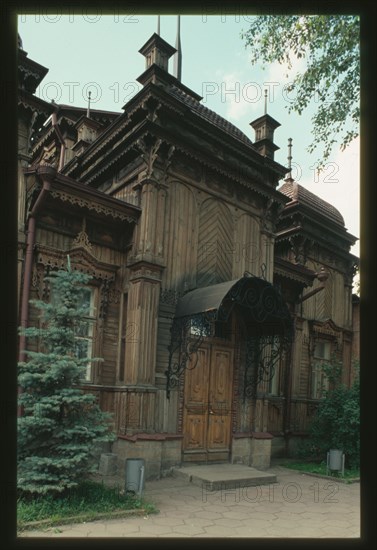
(99, 53)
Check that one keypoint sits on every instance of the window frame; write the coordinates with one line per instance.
(91, 320)
(320, 382)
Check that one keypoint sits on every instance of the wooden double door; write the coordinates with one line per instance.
(207, 416)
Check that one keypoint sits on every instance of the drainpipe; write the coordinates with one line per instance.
(47, 174)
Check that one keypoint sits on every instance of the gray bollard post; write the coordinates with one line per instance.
(135, 476)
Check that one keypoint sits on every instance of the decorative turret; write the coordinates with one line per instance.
(87, 132)
(264, 127)
(157, 51)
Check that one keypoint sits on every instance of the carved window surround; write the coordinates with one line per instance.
(81, 259)
(327, 330)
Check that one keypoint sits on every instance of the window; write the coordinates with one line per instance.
(85, 329)
(320, 383)
(84, 332)
(322, 350)
(200, 325)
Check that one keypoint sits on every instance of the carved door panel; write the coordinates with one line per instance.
(196, 406)
(220, 404)
(207, 406)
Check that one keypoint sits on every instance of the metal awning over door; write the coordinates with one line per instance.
(260, 302)
(266, 320)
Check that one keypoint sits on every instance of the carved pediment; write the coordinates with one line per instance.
(82, 242)
(49, 156)
(81, 258)
(327, 327)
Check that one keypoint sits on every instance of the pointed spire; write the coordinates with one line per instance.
(158, 24)
(178, 55)
(88, 109)
(289, 178)
(290, 157)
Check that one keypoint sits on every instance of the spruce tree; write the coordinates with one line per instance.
(60, 423)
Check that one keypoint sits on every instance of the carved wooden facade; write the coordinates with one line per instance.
(156, 203)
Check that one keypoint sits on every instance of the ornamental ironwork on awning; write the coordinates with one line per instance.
(264, 321)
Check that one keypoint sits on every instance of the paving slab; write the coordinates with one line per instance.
(295, 507)
(216, 477)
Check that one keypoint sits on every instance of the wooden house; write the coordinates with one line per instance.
(201, 268)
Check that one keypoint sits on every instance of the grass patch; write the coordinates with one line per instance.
(320, 468)
(88, 501)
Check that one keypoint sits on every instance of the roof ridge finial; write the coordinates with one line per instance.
(289, 178)
(265, 101)
(158, 24)
(88, 109)
(290, 158)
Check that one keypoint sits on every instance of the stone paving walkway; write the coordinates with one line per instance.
(298, 505)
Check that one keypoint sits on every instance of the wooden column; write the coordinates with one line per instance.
(142, 316)
(146, 265)
(149, 245)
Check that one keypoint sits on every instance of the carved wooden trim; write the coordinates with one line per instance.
(170, 296)
(38, 282)
(102, 145)
(104, 299)
(301, 247)
(90, 205)
(114, 295)
(149, 154)
(82, 241)
(80, 258)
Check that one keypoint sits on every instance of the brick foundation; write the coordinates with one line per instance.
(161, 452)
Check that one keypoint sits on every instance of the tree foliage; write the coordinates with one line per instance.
(336, 424)
(60, 423)
(330, 46)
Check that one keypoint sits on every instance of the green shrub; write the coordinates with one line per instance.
(87, 498)
(336, 424)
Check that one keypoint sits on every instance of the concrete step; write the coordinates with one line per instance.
(215, 477)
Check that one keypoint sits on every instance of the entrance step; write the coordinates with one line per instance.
(215, 477)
